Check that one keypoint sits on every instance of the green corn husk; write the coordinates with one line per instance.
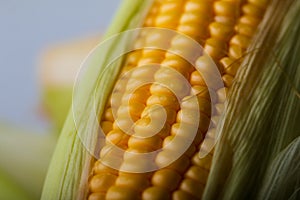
(262, 117)
(65, 180)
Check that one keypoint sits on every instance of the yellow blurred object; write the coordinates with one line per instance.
(58, 68)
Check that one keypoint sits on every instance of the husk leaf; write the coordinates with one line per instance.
(263, 107)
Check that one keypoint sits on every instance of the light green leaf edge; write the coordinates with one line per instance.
(70, 165)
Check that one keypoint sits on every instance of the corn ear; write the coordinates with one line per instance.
(69, 179)
(263, 118)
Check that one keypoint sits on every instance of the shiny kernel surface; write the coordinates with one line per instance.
(166, 178)
(198, 174)
(137, 182)
(221, 31)
(121, 193)
(101, 182)
(192, 187)
(157, 193)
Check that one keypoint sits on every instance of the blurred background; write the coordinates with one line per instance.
(42, 46)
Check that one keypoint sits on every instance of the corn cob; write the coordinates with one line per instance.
(225, 28)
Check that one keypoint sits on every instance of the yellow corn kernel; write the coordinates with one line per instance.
(197, 79)
(177, 86)
(133, 57)
(189, 117)
(194, 31)
(169, 72)
(194, 18)
(134, 163)
(228, 79)
(206, 67)
(235, 52)
(124, 193)
(240, 40)
(169, 7)
(222, 94)
(221, 31)
(182, 195)
(226, 8)
(131, 110)
(143, 72)
(198, 6)
(181, 164)
(144, 128)
(155, 192)
(202, 104)
(192, 187)
(99, 168)
(259, 3)
(164, 100)
(250, 20)
(251, 9)
(124, 124)
(101, 182)
(160, 89)
(106, 126)
(155, 112)
(152, 143)
(215, 48)
(110, 154)
(166, 178)
(108, 115)
(136, 83)
(198, 174)
(97, 196)
(230, 65)
(245, 29)
(116, 101)
(230, 21)
(183, 130)
(178, 63)
(200, 93)
(205, 162)
(117, 137)
(164, 158)
(137, 182)
(140, 95)
(191, 150)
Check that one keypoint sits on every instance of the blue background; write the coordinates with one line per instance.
(26, 28)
